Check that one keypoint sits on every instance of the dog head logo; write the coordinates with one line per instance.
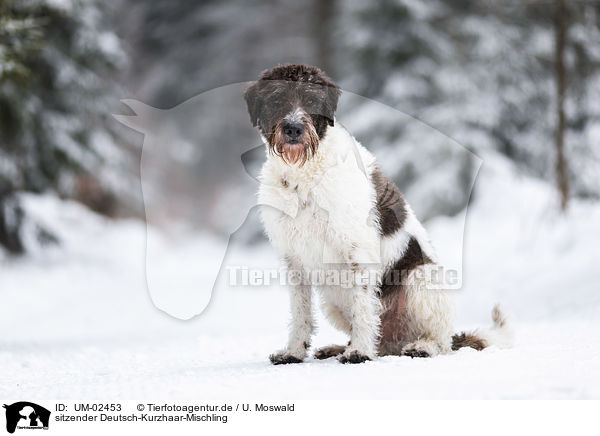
(201, 161)
(26, 415)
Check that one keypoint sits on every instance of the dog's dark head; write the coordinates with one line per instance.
(292, 105)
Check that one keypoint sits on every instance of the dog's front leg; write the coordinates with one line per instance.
(364, 311)
(301, 328)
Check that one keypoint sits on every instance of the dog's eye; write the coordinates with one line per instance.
(276, 102)
(311, 101)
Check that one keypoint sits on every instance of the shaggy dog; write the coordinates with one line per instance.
(333, 210)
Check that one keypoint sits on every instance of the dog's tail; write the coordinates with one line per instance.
(500, 334)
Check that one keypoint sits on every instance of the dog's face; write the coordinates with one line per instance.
(292, 105)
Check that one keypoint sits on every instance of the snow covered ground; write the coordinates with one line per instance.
(77, 321)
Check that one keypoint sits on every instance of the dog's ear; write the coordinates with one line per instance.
(333, 95)
(253, 102)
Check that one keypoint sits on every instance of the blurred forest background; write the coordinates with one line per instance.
(520, 78)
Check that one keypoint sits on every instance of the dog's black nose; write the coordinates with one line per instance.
(293, 130)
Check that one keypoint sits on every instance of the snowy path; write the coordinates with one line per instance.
(223, 356)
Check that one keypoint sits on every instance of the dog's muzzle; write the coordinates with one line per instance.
(295, 140)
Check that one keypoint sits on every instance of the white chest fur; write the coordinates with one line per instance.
(324, 211)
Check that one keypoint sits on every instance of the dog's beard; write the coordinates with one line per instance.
(294, 153)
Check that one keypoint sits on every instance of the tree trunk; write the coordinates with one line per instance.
(561, 164)
(11, 217)
(324, 14)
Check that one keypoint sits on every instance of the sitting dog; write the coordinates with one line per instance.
(330, 196)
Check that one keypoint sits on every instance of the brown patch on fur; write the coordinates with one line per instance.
(467, 340)
(391, 205)
(329, 351)
(393, 320)
(498, 318)
(397, 274)
(393, 297)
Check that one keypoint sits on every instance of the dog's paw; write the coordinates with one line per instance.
(353, 356)
(420, 349)
(283, 358)
(413, 352)
(329, 351)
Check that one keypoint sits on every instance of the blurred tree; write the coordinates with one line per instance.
(481, 71)
(407, 55)
(323, 20)
(484, 73)
(55, 124)
(182, 49)
(561, 83)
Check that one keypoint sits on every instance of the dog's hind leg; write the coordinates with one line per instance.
(430, 316)
(329, 351)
